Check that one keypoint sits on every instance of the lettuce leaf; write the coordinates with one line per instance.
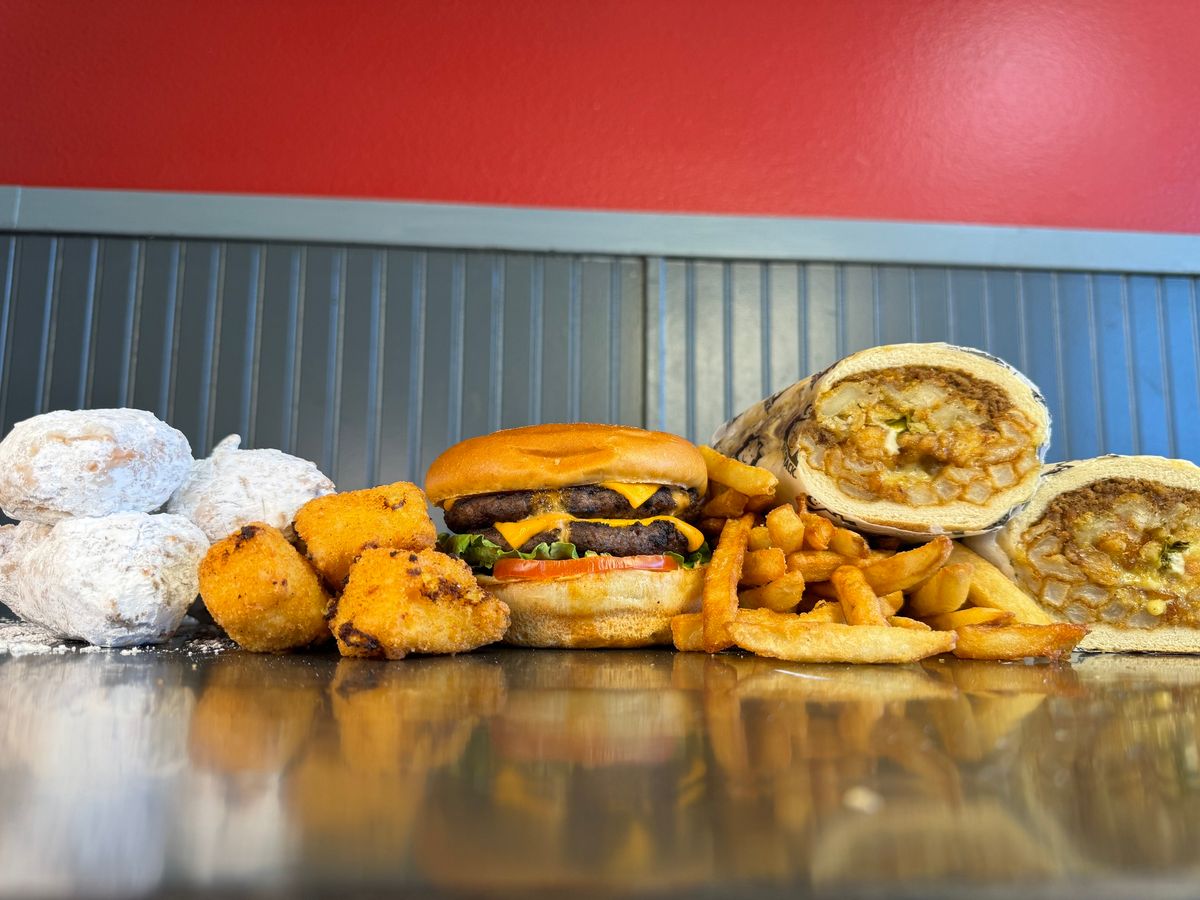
(481, 554)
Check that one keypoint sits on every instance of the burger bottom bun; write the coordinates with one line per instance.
(624, 608)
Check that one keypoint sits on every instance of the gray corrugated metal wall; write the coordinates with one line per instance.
(1115, 355)
(370, 360)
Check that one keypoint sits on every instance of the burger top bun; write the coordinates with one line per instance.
(540, 457)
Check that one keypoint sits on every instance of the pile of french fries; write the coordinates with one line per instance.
(789, 584)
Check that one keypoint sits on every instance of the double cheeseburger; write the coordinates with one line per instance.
(583, 530)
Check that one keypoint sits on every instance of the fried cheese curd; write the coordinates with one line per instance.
(264, 594)
(398, 602)
(336, 528)
(919, 435)
(1123, 551)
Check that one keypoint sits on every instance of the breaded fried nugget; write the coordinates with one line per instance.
(338, 527)
(263, 592)
(400, 601)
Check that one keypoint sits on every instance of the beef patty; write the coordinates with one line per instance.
(471, 515)
(623, 540)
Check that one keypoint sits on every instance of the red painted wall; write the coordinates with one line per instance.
(1082, 113)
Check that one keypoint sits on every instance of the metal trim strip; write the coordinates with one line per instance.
(10, 205)
(464, 226)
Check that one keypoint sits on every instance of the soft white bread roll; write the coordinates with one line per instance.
(113, 581)
(1112, 543)
(90, 462)
(235, 487)
(909, 440)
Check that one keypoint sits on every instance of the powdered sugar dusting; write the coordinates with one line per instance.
(23, 639)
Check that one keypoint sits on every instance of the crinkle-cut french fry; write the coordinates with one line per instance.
(907, 569)
(811, 600)
(1017, 641)
(972, 615)
(990, 587)
(763, 566)
(889, 604)
(761, 502)
(720, 601)
(816, 565)
(823, 589)
(859, 603)
(786, 529)
(848, 543)
(781, 595)
(906, 622)
(818, 531)
(824, 612)
(749, 480)
(760, 538)
(790, 637)
(943, 592)
(724, 503)
(710, 525)
(687, 632)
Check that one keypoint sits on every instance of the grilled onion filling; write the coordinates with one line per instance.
(1122, 552)
(919, 435)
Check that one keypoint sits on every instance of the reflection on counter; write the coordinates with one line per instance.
(517, 770)
(91, 747)
(1127, 782)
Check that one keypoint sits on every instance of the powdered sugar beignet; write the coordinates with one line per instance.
(235, 487)
(113, 581)
(90, 463)
(16, 542)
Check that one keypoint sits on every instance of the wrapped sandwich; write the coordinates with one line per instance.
(1113, 543)
(909, 440)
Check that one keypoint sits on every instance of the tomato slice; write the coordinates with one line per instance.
(588, 565)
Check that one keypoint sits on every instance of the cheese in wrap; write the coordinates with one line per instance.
(909, 440)
(1112, 543)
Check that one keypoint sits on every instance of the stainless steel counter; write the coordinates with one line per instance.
(184, 770)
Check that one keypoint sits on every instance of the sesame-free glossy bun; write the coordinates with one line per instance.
(622, 608)
(541, 457)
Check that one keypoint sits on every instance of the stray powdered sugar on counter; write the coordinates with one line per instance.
(193, 638)
(21, 639)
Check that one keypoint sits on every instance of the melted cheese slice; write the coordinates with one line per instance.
(636, 494)
(517, 533)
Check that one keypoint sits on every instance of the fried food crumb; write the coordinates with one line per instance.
(398, 602)
(264, 594)
(336, 528)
